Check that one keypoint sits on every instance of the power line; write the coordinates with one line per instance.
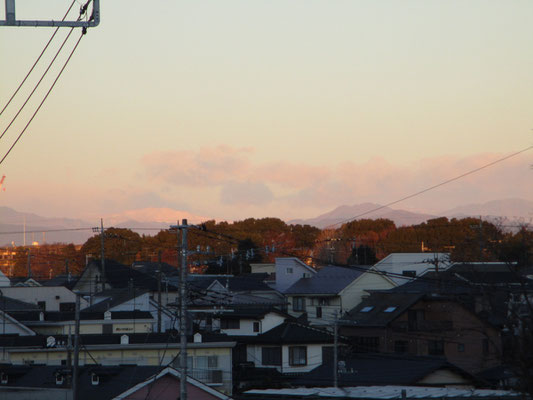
(433, 187)
(37, 61)
(44, 99)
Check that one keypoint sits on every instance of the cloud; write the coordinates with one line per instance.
(246, 193)
(292, 187)
(208, 166)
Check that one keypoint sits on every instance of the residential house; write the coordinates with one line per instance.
(332, 291)
(387, 369)
(48, 298)
(290, 270)
(209, 355)
(425, 325)
(403, 267)
(121, 382)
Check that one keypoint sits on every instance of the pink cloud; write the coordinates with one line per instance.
(244, 181)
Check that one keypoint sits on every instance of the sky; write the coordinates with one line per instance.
(239, 108)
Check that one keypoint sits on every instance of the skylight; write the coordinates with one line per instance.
(390, 309)
(367, 309)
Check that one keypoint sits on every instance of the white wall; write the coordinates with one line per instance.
(284, 278)
(52, 295)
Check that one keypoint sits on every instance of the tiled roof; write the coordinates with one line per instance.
(371, 311)
(328, 280)
(379, 369)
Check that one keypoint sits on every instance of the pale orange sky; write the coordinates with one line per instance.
(274, 108)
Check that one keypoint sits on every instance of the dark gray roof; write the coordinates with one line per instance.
(114, 298)
(105, 339)
(113, 381)
(289, 332)
(371, 311)
(8, 304)
(57, 316)
(380, 369)
(329, 280)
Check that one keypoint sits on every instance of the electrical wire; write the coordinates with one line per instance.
(433, 187)
(36, 62)
(44, 99)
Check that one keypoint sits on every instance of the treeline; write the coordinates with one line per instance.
(232, 247)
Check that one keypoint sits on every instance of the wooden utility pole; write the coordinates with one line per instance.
(159, 305)
(183, 311)
(182, 256)
(335, 350)
(102, 251)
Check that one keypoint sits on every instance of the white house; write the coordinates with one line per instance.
(289, 270)
(333, 291)
(402, 267)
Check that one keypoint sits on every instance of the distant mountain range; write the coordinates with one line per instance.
(13, 224)
(516, 210)
(364, 211)
(151, 220)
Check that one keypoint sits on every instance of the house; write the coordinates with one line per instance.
(48, 298)
(119, 382)
(131, 299)
(387, 369)
(63, 322)
(248, 321)
(289, 348)
(209, 355)
(289, 270)
(424, 325)
(331, 291)
(402, 267)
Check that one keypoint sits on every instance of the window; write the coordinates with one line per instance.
(319, 312)
(367, 309)
(436, 347)
(411, 274)
(256, 326)
(271, 355)
(323, 302)
(390, 309)
(366, 344)
(298, 355)
(227, 323)
(401, 346)
(42, 305)
(289, 270)
(460, 347)
(298, 303)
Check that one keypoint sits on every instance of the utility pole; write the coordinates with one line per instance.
(159, 292)
(183, 303)
(29, 262)
(335, 349)
(75, 371)
(102, 234)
